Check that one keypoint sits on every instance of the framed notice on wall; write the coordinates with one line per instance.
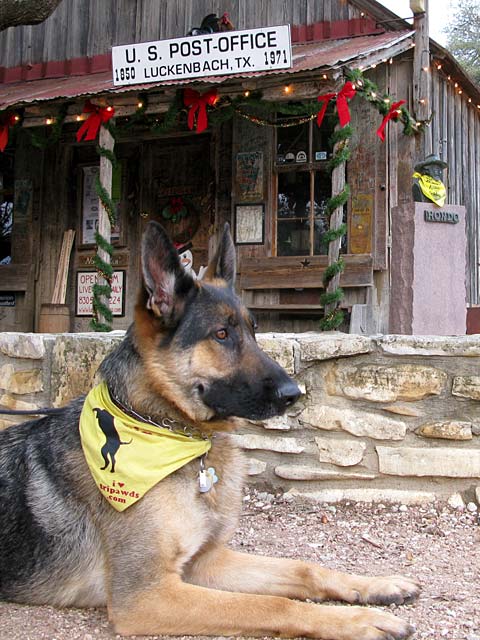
(249, 176)
(249, 224)
(90, 204)
(84, 293)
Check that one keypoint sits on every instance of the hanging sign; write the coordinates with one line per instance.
(217, 54)
(85, 282)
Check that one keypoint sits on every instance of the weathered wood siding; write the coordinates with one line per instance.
(90, 27)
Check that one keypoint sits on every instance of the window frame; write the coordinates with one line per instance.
(312, 167)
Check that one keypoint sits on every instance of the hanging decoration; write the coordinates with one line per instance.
(197, 105)
(343, 96)
(98, 116)
(393, 114)
(7, 120)
(183, 217)
(175, 210)
(50, 134)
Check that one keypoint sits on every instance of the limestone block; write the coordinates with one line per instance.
(22, 381)
(75, 361)
(449, 462)
(403, 410)
(9, 402)
(24, 345)
(280, 348)
(256, 467)
(358, 423)
(366, 495)
(279, 423)
(402, 345)
(447, 430)
(386, 383)
(344, 453)
(466, 387)
(477, 494)
(332, 344)
(305, 472)
(253, 441)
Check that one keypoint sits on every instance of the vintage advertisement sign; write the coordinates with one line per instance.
(249, 176)
(85, 282)
(361, 223)
(216, 54)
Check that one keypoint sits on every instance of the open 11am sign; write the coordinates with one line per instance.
(85, 282)
(214, 54)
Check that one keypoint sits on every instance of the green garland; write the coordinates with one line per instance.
(104, 269)
(382, 102)
(340, 140)
(42, 140)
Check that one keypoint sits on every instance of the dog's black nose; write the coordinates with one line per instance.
(288, 393)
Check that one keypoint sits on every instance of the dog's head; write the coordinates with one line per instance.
(197, 340)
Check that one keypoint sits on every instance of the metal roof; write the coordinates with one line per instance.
(326, 54)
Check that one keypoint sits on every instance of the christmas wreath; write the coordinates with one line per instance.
(184, 219)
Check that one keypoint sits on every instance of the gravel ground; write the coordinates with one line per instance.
(437, 545)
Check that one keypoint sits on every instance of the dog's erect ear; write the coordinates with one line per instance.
(166, 281)
(223, 264)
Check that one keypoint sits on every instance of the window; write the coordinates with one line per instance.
(303, 187)
(6, 207)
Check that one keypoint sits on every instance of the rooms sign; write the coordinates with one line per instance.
(199, 56)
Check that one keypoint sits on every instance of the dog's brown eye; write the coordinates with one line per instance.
(221, 334)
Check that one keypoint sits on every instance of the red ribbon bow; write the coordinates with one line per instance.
(176, 204)
(346, 93)
(393, 114)
(6, 121)
(98, 116)
(197, 102)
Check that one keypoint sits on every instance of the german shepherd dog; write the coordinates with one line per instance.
(163, 566)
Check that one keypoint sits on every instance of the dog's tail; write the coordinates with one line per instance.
(129, 442)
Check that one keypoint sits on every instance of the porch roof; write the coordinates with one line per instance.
(74, 79)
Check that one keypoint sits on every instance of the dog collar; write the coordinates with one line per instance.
(128, 456)
(165, 423)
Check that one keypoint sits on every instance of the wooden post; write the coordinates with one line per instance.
(105, 141)
(336, 219)
(422, 72)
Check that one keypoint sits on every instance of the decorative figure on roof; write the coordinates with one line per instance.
(212, 24)
(428, 181)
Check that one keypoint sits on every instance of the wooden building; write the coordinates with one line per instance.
(269, 180)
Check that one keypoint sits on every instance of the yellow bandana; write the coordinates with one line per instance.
(128, 457)
(433, 189)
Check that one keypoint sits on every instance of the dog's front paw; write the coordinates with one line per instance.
(385, 590)
(357, 623)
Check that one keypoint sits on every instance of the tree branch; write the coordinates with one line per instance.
(17, 12)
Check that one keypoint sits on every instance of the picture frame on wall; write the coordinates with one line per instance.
(90, 203)
(250, 223)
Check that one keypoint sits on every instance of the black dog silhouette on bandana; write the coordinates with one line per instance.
(113, 442)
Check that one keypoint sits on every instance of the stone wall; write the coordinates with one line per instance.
(382, 418)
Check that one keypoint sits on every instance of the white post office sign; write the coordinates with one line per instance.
(199, 56)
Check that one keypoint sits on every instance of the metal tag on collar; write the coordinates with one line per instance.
(206, 477)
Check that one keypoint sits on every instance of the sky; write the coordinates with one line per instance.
(438, 12)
